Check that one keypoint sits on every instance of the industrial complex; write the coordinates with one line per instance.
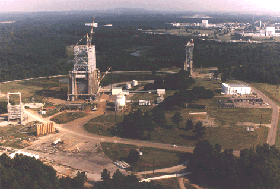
(70, 147)
(84, 78)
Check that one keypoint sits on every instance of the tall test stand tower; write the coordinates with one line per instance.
(84, 78)
(188, 64)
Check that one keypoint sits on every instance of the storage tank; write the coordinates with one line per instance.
(134, 83)
(120, 101)
(128, 86)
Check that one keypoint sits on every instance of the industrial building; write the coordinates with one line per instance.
(84, 78)
(189, 57)
(15, 108)
(120, 102)
(235, 89)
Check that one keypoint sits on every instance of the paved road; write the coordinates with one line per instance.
(274, 119)
(76, 127)
(174, 169)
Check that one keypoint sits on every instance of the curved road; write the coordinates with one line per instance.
(76, 127)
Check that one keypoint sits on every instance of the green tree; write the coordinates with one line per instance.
(118, 178)
(105, 176)
(133, 156)
(79, 180)
(224, 77)
(177, 118)
(158, 116)
(189, 125)
(199, 130)
(216, 74)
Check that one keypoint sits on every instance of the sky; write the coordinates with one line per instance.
(164, 5)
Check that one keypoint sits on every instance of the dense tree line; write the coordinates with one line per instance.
(255, 168)
(177, 81)
(257, 62)
(136, 125)
(27, 172)
(182, 97)
(36, 47)
(120, 181)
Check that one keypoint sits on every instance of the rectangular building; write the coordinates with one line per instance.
(236, 89)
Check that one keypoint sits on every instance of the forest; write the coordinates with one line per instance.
(28, 173)
(39, 46)
(255, 168)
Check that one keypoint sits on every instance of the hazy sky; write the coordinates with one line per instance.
(172, 5)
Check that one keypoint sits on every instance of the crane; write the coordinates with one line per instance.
(105, 74)
(89, 38)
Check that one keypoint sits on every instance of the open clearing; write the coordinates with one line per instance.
(162, 158)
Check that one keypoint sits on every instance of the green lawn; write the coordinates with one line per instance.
(67, 117)
(270, 90)
(235, 137)
(161, 158)
(225, 125)
(36, 88)
(104, 124)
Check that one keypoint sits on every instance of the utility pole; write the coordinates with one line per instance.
(153, 165)
(112, 80)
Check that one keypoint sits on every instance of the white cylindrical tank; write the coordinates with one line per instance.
(120, 101)
(134, 83)
(128, 86)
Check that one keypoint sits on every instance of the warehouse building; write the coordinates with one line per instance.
(235, 89)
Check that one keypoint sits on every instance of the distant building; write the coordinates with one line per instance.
(205, 23)
(270, 31)
(235, 89)
(144, 103)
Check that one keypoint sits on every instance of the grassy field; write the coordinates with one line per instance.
(15, 135)
(36, 88)
(67, 117)
(104, 124)
(277, 140)
(270, 90)
(162, 158)
(225, 126)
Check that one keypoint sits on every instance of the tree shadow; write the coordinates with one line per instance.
(218, 91)
(188, 137)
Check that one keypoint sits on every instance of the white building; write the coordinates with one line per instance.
(144, 103)
(270, 31)
(205, 23)
(235, 89)
(116, 90)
